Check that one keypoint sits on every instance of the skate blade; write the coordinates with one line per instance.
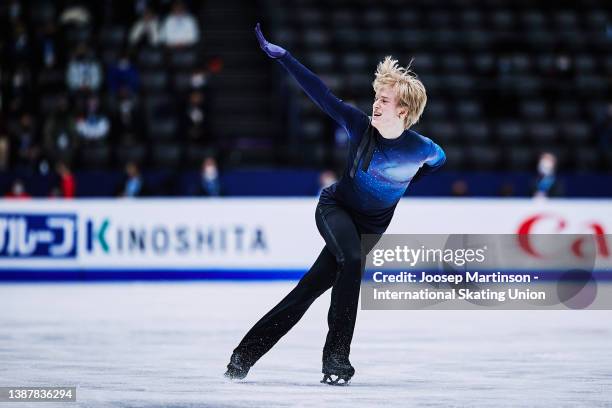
(337, 381)
(234, 376)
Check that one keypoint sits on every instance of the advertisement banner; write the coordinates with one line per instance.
(244, 234)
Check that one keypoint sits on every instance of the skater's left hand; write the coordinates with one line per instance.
(272, 50)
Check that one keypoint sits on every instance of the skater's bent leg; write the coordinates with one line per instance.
(280, 319)
(342, 237)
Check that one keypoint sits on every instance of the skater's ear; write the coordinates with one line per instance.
(401, 113)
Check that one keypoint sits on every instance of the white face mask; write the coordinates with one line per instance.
(210, 172)
(546, 167)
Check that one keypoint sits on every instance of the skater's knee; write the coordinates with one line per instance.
(352, 259)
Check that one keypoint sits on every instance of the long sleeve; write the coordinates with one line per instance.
(433, 162)
(344, 114)
(436, 158)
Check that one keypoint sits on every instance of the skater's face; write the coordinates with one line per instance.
(385, 111)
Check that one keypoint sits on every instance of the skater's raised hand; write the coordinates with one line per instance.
(273, 51)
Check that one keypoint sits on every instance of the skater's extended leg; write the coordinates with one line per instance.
(280, 319)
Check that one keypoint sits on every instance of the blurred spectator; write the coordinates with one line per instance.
(5, 146)
(145, 30)
(133, 186)
(546, 184)
(93, 125)
(215, 65)
(459, 188)
(25, 146)
(67, 184)
(195, 115)
(19, 44)
(49, 50)
(199, 79)
(15, 11)
(128, 122)
(326, 179)
(22, 89)
(180, 28)
(18, 191)
(564, 67)
(75, 14)
(84, 72)
(59, 133)
(123, 74)
(210, 184)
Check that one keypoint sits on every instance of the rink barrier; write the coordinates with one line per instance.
(254, 239)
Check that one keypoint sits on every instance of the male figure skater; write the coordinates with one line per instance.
(384, 158)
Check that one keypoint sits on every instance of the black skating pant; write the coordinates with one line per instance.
(339, 267)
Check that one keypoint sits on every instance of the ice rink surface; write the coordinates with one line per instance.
(166, 345)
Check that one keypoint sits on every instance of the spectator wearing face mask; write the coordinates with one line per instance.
(93, 125)
(547, 183)
(67, 183)
(195, 117)
(209, 182)
(133, 186)
(84, 72)
(123, 74)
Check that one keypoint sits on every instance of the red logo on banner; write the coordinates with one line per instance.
(594, 228)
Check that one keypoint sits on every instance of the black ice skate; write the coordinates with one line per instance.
(237, 368)
(337, 370)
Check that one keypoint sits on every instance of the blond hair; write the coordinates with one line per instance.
(409, 89)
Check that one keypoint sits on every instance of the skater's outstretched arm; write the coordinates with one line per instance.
(344, 114)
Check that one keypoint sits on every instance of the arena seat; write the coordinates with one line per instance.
(95, 156)
(125, 153)
(112, 36)
(153, 81)
(167, 155)
(149, 58)
(163, 128)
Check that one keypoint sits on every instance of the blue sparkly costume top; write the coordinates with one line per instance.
(378, 170)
